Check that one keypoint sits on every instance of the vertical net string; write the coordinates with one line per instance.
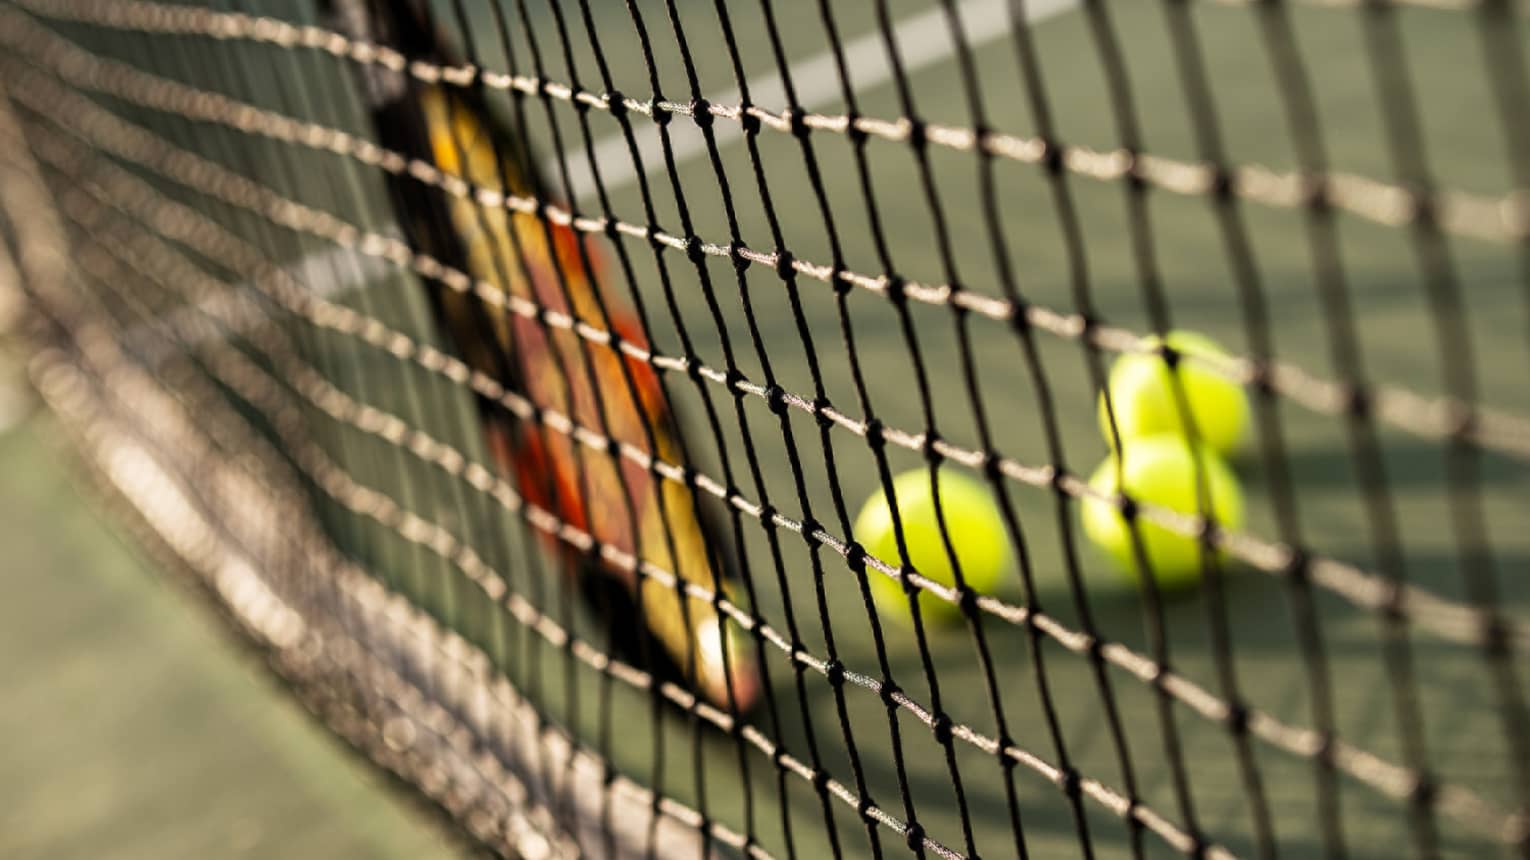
(855, 555)
(279, 244)
(298, 102)
(1506, 69)
(1463, 460)
(713, 421)
(353, 271)
(508, 363)
(587, 138)
(1503, 58)
(973, 101)
(787, 273)
(476, 517)
(1139, 226)
(941, 723)
(703, 119)
(766, 516)
(1081, 292)
(1362, 435)
(877, 444)
(505, 653)
(453, 582)
(775, 397)
(628, 504)
(1248, 280)
(1155, 299)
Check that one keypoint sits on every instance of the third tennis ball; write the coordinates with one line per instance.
(972, 521)
(1160, 470)
(1142, 394)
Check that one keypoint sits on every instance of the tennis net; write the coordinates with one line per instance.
(510, 373)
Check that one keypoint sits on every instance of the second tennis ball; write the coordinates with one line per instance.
(972, 521)
(1160, 470)
(1142, 394)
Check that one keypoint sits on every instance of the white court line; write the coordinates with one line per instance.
(923, 40)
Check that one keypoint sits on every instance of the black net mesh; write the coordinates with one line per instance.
(512, 372)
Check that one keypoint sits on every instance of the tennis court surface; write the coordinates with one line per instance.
(872, 268)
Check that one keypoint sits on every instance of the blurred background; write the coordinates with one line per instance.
(131, 728)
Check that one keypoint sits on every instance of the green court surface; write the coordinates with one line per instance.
(1396, 332)
(132, 729)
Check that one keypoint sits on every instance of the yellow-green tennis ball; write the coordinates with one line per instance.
(972, 520)
(1160, 470)
(1142, 393)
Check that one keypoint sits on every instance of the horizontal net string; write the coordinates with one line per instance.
(1428, 417)
(1501, 219)
(1389, 778)
(1364, 589)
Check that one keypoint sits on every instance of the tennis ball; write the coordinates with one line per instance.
(972, 520)
(1142, 393)
(1160, 470)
